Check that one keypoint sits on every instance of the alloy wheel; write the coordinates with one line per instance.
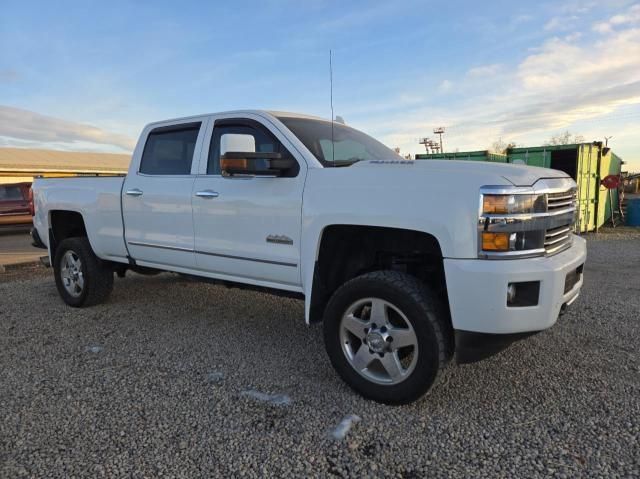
(378, 341)
(71, 273)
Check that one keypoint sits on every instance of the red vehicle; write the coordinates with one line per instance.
(14, 205)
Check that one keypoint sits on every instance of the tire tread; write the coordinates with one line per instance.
(98, 276)
(427, 302)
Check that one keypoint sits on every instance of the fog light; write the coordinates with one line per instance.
(511, 293)
(522, 294)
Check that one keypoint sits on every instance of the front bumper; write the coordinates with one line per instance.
(477, 291)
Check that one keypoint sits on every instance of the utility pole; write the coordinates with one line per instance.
(439, 131)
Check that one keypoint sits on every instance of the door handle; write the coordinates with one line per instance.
(134, 192)
(208, 194)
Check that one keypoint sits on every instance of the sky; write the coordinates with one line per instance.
(89, 75)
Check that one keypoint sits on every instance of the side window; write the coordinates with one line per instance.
(10, 193)
(245, 136)
(169, 150)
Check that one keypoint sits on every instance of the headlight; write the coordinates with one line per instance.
(512, 238)
(517, 222)
(513, 204)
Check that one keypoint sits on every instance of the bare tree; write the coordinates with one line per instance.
(565, 138)
(406, 156)
(499, 146)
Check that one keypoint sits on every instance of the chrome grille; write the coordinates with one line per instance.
(561, 201)
(559, 237)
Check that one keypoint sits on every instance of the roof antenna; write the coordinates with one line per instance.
(333, 144)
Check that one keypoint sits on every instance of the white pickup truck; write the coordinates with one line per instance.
(406, 263)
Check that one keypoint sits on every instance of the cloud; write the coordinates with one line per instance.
(484, 70)
(445, 86)
(630, 17)
(572, 37)
(566, 66)
(29, 126)
(562, 111)
(563, 83)
(601, 27)
(520, 19)
(579, 7)
(561, 23)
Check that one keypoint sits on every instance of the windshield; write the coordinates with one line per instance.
(350, 145)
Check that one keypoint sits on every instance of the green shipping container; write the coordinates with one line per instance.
(587, 163)
(482, 155)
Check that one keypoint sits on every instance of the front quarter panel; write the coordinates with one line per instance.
(395, 196)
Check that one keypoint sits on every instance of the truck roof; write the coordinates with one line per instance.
(244, 112)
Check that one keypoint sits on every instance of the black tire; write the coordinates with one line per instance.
(422, 310)
(97, 276)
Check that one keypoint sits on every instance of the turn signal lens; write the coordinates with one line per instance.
(495, 241)
(233, 164)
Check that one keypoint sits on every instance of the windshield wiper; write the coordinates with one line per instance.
(348, 162)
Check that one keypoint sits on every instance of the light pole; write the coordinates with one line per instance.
(606, 140)
(440, 131)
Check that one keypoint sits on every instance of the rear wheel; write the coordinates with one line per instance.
(385, 333)
(82, 278)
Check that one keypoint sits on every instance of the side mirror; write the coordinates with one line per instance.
(257, 164)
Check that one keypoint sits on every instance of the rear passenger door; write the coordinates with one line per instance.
(156, 199)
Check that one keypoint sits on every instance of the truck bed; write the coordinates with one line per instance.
(96, 198)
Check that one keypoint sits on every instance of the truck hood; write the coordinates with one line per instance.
(517, 175)
(441, 198)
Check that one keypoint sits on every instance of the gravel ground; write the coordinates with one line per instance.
(180, 379)
(15, 247)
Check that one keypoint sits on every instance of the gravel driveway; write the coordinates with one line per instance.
(182, 379)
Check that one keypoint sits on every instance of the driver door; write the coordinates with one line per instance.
(247, 227)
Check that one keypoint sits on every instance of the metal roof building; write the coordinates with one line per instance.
(24, 162)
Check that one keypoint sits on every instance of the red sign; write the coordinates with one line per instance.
(610, 182)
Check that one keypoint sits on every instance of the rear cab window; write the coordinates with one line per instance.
(169, 150)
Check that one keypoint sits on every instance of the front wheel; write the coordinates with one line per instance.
(82, 278)
(386, 335)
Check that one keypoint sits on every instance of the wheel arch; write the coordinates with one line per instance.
(344, 251)
(65, 224)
